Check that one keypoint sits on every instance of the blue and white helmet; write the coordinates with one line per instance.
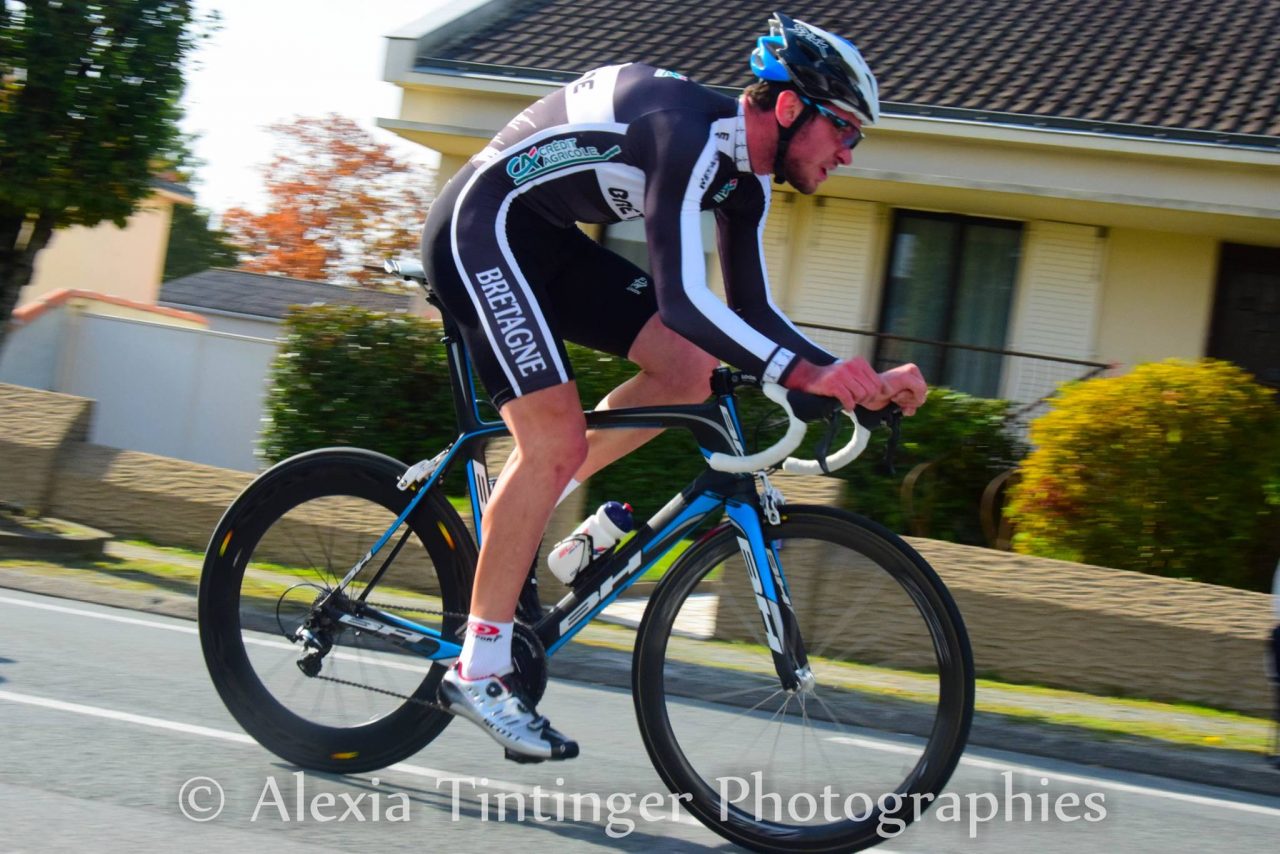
(822, 66)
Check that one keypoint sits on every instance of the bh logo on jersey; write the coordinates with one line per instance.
(723, 192)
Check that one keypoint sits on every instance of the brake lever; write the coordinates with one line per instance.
(891, 446)
(824, 446)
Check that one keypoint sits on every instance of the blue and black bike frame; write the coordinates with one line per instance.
(715, 426)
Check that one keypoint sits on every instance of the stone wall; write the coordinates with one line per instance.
(1033, 620)
(37, 428)
(1109, 631)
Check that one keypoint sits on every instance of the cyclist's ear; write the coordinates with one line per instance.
(788, 107)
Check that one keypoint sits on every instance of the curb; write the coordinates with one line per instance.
(72, 541)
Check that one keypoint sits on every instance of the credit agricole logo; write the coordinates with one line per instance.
(558, 154)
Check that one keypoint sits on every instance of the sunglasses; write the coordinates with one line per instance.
(851, 134)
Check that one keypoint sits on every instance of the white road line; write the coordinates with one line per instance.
(435, 774)
(380, 659)
(97, 615)
(126, 717)
(1030, 770)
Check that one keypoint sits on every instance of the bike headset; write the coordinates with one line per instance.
(822, 67)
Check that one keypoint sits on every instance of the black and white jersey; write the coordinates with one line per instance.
(631, 141)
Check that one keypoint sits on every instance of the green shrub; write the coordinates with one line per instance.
(967, 443)
(349, 376)
(1172, 469)
(963, 438)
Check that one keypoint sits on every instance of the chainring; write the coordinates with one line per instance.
(530, 662)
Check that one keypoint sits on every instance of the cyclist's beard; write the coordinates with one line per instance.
(786, 164)
(793, 172)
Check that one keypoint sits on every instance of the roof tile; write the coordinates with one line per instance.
(268, 296)
(1162, 63)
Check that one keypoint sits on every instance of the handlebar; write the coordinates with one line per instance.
(802, 408)
(405, 268)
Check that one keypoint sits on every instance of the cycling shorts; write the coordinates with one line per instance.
(519, 286)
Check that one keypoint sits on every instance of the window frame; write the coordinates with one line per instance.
(953, 280)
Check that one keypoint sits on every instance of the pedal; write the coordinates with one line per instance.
(521, 758)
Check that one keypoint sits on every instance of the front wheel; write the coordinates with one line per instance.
(285, 545)
(882, 712)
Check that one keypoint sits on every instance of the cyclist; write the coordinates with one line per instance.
(502, 250)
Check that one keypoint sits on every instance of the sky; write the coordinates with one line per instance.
(273, 60)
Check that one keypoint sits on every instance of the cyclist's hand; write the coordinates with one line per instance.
(905, 386)
(850, 382)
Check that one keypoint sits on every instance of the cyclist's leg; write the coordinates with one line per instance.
(549, 433)
(606, 302)
(672, 370)
(487, 261)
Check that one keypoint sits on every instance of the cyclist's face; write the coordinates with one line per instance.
(819, 146)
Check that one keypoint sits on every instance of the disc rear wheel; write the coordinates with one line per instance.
(309, 682)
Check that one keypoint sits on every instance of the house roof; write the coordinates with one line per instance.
(62, 296)
(1205, 68)
(268, 297)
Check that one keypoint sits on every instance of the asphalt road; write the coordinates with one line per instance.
(108, 717)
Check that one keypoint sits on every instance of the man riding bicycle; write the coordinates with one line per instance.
(503, 253)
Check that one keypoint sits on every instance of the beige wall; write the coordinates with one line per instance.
(1157, 296)
(126, 262)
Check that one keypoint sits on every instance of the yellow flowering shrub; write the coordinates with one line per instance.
(1172, 469)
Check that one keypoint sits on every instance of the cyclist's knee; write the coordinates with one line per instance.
(565, 454)
(688, 379)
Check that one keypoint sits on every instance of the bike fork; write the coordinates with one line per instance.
(781, 627)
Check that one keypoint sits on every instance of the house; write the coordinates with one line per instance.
(1083, 182)
(127, 262)
(186, 378)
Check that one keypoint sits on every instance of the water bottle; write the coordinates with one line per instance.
(596, 535)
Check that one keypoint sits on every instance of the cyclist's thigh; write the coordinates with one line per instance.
(600, 299)
(488, 263)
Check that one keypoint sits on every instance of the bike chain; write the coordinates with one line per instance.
(429, 704)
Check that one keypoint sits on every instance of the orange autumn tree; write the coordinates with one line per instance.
(338, 200)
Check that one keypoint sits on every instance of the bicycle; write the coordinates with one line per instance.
(855, 657)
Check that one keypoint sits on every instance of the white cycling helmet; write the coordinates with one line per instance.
(822, 66)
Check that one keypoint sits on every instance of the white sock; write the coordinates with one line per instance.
(568, 490)
(486, 650)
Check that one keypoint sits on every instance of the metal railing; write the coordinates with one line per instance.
(1027, 379)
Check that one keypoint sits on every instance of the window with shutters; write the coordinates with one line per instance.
(950, 281)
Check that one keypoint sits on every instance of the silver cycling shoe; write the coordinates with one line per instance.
(506, 716)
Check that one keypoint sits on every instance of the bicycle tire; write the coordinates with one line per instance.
(264, 545)
(695, 681)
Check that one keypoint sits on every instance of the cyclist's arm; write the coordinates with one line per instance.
(740, 229)
(678, 155)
